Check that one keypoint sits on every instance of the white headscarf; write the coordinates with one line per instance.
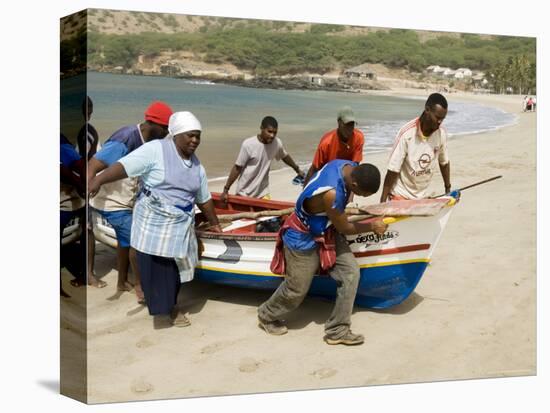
(181, 122)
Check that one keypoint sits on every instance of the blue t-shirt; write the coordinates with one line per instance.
(68, 153)
(121, 143)
(328, 178)
(148, 164)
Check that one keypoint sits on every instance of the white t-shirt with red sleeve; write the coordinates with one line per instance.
(415, 158)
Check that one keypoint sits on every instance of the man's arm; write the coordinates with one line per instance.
(113, 173)
(389, 183)
(94, 167)
(446, 174)
(341, 223)
(316, 164)
(312, 171)
(209, 212)
(290, 162)
(233, 175)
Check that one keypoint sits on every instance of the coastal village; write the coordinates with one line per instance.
(362, 77)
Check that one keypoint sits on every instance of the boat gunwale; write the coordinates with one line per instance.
(252, 236)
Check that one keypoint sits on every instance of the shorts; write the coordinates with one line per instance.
(121, 221)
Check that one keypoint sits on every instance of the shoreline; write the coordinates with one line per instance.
(505, 103)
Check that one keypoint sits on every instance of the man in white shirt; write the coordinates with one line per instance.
(418, 145)
(254, 161)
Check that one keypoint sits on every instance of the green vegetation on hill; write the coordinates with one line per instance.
(267, 52)
(73, 53)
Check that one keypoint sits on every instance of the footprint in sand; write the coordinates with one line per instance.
(117, 329)
(215, 347)
(140, 386)
(249, 365)
(324, 373)
(145, 342)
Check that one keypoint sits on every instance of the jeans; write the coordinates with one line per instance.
(301, 266)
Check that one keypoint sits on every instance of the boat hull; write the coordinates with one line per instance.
(391, 265)
(379, 287)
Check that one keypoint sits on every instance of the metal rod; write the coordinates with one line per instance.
(472, 185)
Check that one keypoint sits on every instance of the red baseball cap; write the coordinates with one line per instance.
(158, 112)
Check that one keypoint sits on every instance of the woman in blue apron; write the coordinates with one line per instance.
(173, 182)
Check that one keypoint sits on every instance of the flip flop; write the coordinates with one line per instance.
(141, 299)
(181, 321)
(99, 284)
(75, 283)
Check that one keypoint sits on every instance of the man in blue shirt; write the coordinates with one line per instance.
(71, 168)
(313, 238)
(115, 201)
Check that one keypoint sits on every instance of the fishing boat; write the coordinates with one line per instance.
(391, 264)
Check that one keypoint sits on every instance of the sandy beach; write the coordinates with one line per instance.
(473, 315)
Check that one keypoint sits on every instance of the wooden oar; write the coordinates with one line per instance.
(274, 213)
(254, 215)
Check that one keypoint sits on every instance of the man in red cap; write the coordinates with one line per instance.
(115, 201)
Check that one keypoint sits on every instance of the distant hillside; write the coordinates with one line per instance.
(133, 22)
(69, 26)
(246, 49)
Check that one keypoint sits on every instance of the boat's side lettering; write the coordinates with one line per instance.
(371, 238)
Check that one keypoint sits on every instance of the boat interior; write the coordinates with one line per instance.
(243, 210)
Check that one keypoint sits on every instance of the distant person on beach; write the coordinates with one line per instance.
(344, 142)
(418, 145)
(529, 104)
(163, 232)
(524, 103)
(72, 193)
(254, 161)
(116, 201)
(313, 239)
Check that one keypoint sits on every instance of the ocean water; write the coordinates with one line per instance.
(230, 114)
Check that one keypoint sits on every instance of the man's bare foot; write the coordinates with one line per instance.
(126, 286)
(96, 282)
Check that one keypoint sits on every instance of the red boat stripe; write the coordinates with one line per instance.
(408, 248)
